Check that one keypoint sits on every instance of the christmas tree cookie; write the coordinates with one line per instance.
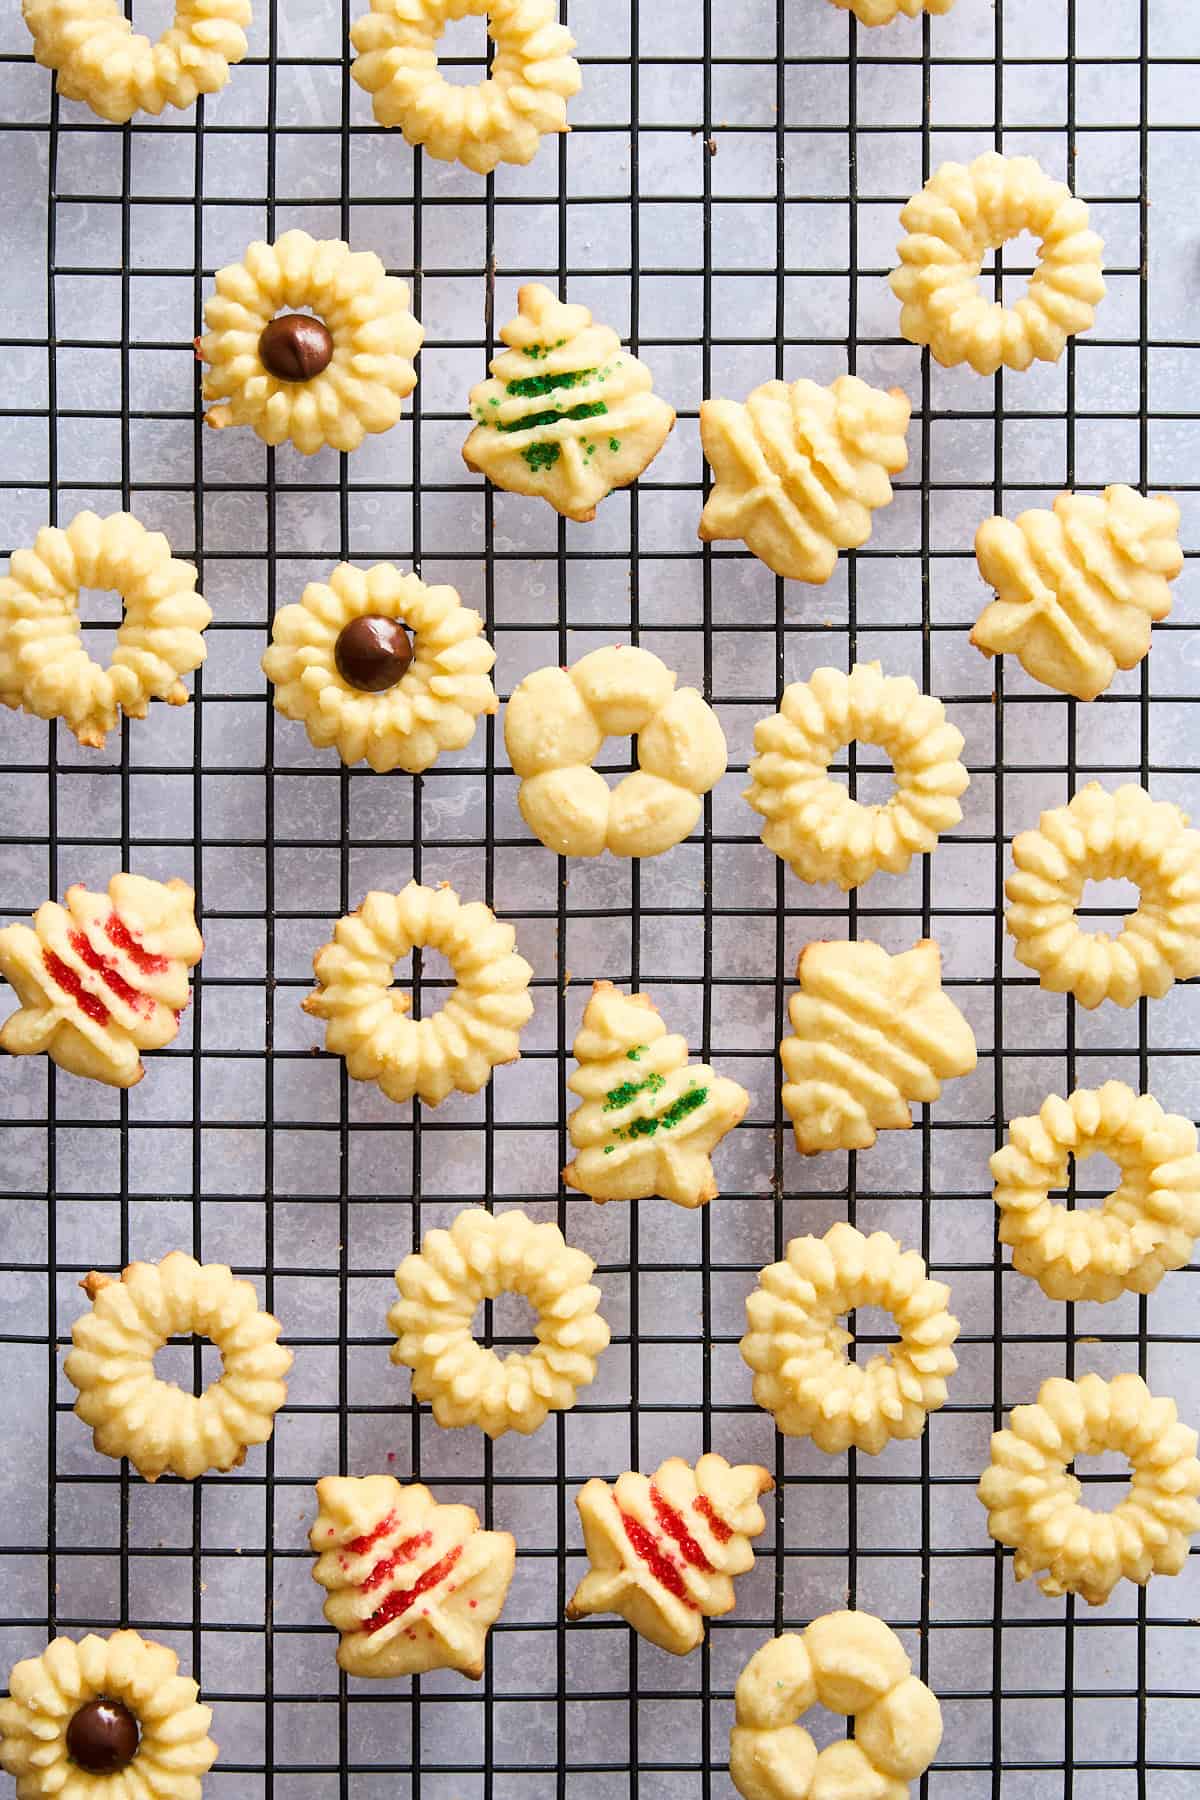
(650, 1120)
(566, 413)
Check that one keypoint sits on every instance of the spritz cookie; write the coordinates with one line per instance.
(812, 822)
(101, 60)
(385, 669)
(411, 1584)
(1034, 1504)
(649, 1119)
(554, 726)
(1077, 589)
(664, 1549)
(798, 469)
(959, 215)
(44, 665)
(105, 1717)
(882, 12)
(1100, 836)
(566, 413)
(102, 978)
(500, 119)
(308, 342)
(871, 1033)
(441, 1287)
(456, 1047)
(797, 1349)
(851, 1663)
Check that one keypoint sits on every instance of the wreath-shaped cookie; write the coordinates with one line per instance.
(555, 724)
(500, 119)
(441, 1287)
(882, 12)
(310, 342)
(344, 664)
(812, 822)
(44, 665)
(158, 1426)
(1034, 1504)
(959, 215)
(1096, 837)
(458, 1046)
(101, 59)
(105, 1716)
(853, 1664)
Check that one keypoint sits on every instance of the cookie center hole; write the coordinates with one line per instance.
(866, 772)
(100, 612)
(464, 52)
(431, 988)
(874, 1334)
(1020, 257)
(1105, 904)
(1105, 1480)
(1095, 1178)
(153, 17)
(177, 1364)
(513, 1324)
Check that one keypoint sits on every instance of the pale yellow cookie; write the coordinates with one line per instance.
(871, 1033)
(799, 469)
(105, 1717)
(101, 59)
(797, 1349)
(650, 1120)
(566, 413)
(385, 669)
(554, 726)
(1100, 836)
(882, 12)
(664, 1548)
(454, 1048)
(853, 1664)
(308, 342)
(1149, 1224)
(500, 119)
(44, 665)
(810, 820)
(960, 214)
(411, 1584)
(441, 1286)
(1078, 588)
(158, 1426)
(1034, 1504)
(102, 978)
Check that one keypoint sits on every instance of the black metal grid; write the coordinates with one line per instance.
(305, 1186)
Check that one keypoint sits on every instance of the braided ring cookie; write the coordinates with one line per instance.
(327, 375)
(366, 1018)
(101, 60)
(1095, 837)
(853, 1664)
(812, 822)
(554, 726)
(1147, 1226)
(959, 215)
(158, 1426)
(44, 667)
(442, 1285)
(105, 1716)
(1033, 1503)
(346, 667)
(798, 1350)
(500, 119)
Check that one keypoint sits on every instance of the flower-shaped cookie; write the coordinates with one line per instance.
(882, 12)
(101, 59)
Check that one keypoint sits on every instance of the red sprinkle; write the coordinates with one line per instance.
(70, 983)
(360, 1545)
(674, 1526)
(137, 1001)
(660, 1566)
(720, 1530)
(120, 935)
(401, 1554)
(400, 1601)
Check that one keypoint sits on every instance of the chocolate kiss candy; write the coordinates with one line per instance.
(102, 1737)
(295, 347)
(372, 653)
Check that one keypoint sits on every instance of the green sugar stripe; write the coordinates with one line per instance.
(530, 386)
(535, 421)
(627, 1091)
(674, 1115)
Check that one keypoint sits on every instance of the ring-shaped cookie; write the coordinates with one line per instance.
(158, 1426)
(105, 1716)
(458, 1046)
(338, 390)
(1034, 1504)
(960, 214)
(797, 1349)
(1096, 837)
(1148, 1225)
(500, 119)
(101, 60)
(851, 1663)
(554, 726)
(44, 666)
(812, 822)
(443, 1284)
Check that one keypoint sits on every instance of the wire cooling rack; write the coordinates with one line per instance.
(728, 201)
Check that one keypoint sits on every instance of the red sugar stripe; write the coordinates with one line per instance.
(70, 983)
(674, 1526)
(401, 1554)
(360, 1545)
(121, 988)
(120, 935)
(660, 1566)
(720, 1530)
(399, 1602)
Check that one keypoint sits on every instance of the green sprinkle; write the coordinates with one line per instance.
(635, 1055)
(614, 444)
(609, 1148)
(535, 421)
(493, 402)
(530, 385)
(540, 456)
(686, 1103)
(626, 1091)
(534, 351)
